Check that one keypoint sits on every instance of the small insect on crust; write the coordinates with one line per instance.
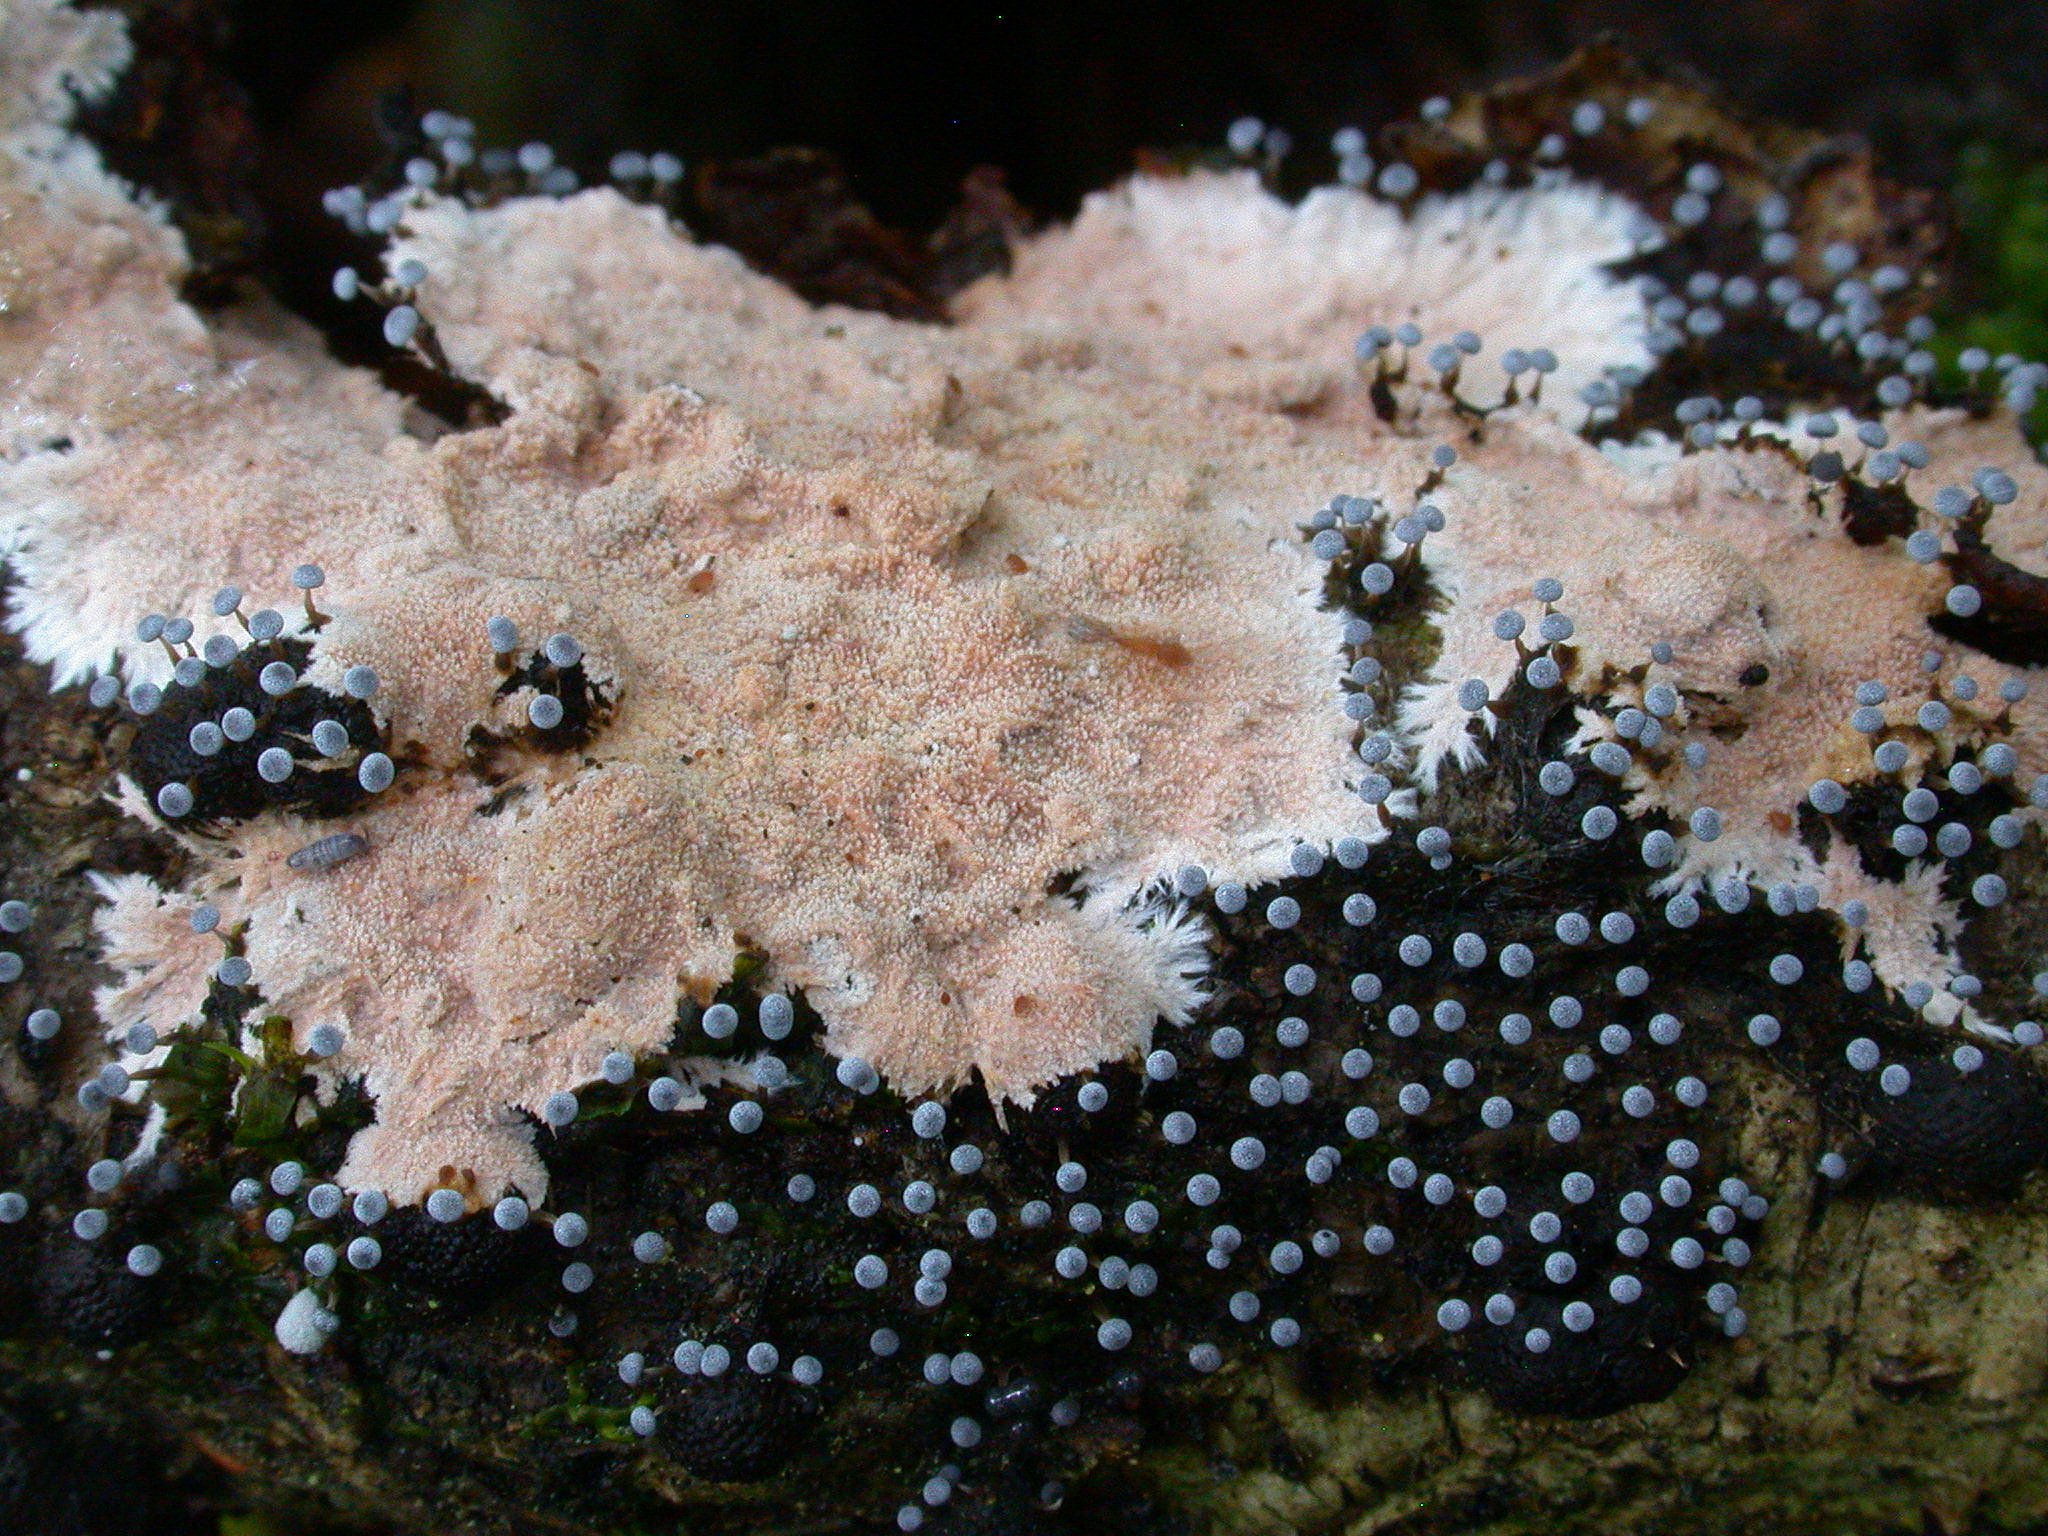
(326, 852)
(1094, 632)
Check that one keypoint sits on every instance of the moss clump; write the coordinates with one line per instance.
(2002, 306)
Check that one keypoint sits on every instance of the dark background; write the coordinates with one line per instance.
(1059, 94)
(242, 112)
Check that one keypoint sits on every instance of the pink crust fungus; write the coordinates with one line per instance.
(928, 653)
(1774, 616)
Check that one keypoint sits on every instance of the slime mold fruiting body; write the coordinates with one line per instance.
(1199, 809)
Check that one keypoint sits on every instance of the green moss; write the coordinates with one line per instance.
(2001, 302)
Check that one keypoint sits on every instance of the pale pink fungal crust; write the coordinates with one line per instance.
(902, 627)
(929, 651)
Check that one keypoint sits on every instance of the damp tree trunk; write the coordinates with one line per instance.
(1894, 1375)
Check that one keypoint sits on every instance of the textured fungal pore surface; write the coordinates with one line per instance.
(922, 653)
(1284, 773)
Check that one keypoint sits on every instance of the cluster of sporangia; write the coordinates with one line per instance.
(1465, 1094)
